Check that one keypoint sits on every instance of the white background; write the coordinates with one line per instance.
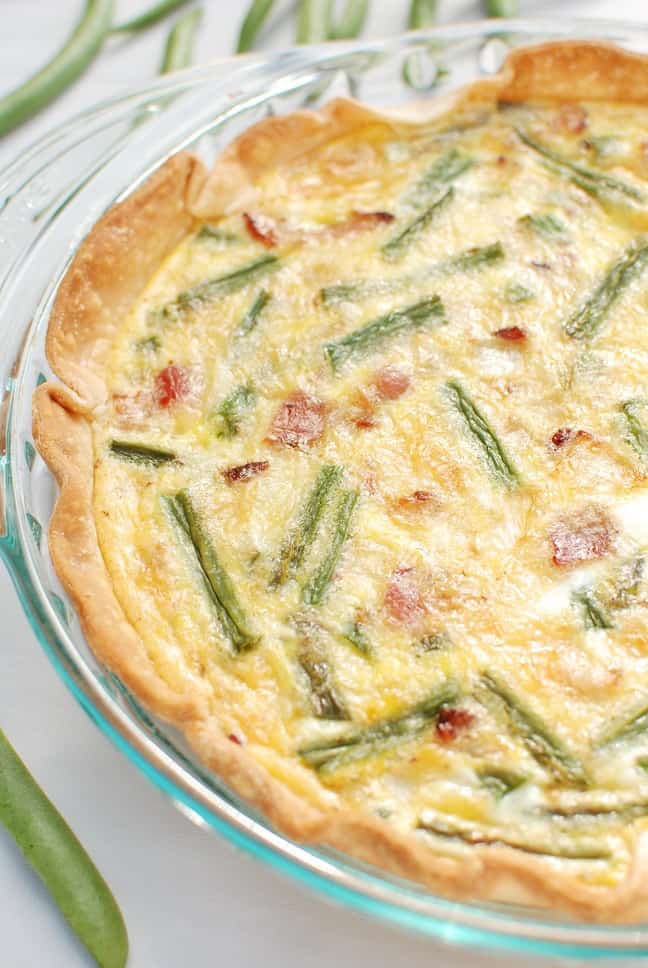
(189, 899)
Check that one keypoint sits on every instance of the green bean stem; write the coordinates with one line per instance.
(64, 68)
(495, 455)
(316, 588)
(60, 861)
(178, 52)
(313, 21)
(253, 21)
(149, 17)
(588, 319)
(422, 13)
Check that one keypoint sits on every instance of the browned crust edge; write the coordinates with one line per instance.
(109, 271)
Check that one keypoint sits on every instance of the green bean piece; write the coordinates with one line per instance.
(224, 285)
(624, 728)
(500, 8)
(543, 746)
(231, 412)
(548, 226)
(493, 451)
(64, 68)
(313, 21)
(302, 537)
(215, 234)
(398, 245)
(636, 431)
(500, 782)
(594, 615)
(141, 453)
(614, 809)
(596, 183)
(441, 172)
(316, 588)
(375, 333)
(251, 317)
(517, 293)
(383, 735)
(422, 13)
(588, 319)
(559, 845)
(178, 52)
(324, 699)
(627, 586)
(355, 634)
(477, 257)
(351, 21)
(217, 582)
(55, 854)
(149, 17)
(253, 21)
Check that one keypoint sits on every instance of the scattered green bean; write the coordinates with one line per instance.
(398, 245)
(517, 293)
(623, 728)
(535, 734)
(230, 413)
(316, 588)
(253, 21)
(351, 21)
(68, 873)
(355, 634)
(251, 317)
(548, 226)
(178, 52)
(375, 333)
(217, 582)
(594, 615)
(495, 455)
(216, 234)
(325, 701)
(636, 431)
(149, 17)
(588, 319)
(64, 68)
(141, 453)
(224, 285)
(500, 782)
(383, 735)
(444, 170)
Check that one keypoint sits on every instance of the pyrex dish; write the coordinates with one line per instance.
(50, 198)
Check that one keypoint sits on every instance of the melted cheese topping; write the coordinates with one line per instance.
(456, 571)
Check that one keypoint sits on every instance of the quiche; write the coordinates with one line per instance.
(351, 438)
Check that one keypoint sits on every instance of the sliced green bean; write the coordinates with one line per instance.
(216, 234)
(375, 333)
(594, 615)
(444, 170)
(64, 68)
(141, 453)
(251, 317)
(217, 582)
(231, 412)
(302, 537)
(53, 851)
(253, 21)
(543, 746)
(558, 845)
(422, 13)
(355, 634)
(351, 21)
(398, 245)
(149, 17)
(636, 430)
(548, 226)
(215, 288)
(624, 728)
(325, 701)
(588, 319)
(382, 736)
(495, 455)
(596, 183)
(477, 257)
(316, 588)
(500, 782)
(178, 52)
(313, 21)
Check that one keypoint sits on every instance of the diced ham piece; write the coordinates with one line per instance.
(171, 385)
(451, 722)
(262, 229)
(391, 383)
(299, 422)
(235, 475)
(584, 536)
(565, 435)
(513, 334)
(403, 599)
(571, 118)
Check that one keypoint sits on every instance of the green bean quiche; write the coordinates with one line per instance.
(351, 435)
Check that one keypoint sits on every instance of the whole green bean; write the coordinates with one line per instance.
(422, 14)
(253, 21)
(149, 17)
(178, 52)
(61, 862)
(395, 247)
(313, 21)
(351, 21)
(64, 68)
(316, 588)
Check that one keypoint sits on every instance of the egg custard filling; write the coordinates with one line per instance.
(369, 483)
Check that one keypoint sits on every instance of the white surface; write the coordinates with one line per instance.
(188, 898)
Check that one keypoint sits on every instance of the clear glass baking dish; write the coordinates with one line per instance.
(49, 198)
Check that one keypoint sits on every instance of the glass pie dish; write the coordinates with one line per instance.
(49, 199)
